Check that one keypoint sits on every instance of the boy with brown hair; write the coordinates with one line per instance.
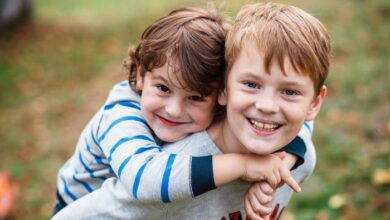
(179, 67)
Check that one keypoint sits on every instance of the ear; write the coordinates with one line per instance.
(316, 104)
(139, 81)
(222, 98)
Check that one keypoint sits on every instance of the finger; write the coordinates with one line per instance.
(262, 197)
(259, 207)
(277, 177)
(266, 188)
(249, 210)
(289, 180)
(267, 217)
(281, 154)
(272, 180)
(293, 184)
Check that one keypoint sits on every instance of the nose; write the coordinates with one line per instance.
(267, 103)
(174, 108)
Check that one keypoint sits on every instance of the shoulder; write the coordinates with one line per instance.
(196, 144)
(122, 92)
(306, 169)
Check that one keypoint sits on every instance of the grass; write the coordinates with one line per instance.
(56, 71)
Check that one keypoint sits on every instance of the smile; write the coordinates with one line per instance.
(169, 122)
(268, 127)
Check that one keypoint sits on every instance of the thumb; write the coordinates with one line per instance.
(281, 154)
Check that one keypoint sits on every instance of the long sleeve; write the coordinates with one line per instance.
(117, 142)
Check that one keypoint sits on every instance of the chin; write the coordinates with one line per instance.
(261, 150)
(169, 139)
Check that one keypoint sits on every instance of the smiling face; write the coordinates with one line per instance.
(266, 111)
(171, 111)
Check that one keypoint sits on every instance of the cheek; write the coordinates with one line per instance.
(203, 116)
(294, 113)
(150, 103)
(238, 99)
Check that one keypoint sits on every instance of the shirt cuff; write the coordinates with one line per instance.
(296, 147)
(202, 177)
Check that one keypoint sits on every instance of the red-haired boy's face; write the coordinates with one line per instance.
(266, 111)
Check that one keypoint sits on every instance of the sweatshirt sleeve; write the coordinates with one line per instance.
(298, 145)
(146, 172)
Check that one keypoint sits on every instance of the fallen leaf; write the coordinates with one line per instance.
(380, 177)
(337, 201)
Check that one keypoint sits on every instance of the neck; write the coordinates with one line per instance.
(224, 138)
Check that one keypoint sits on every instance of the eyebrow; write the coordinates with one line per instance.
(159, 77)
(249, 74)
(287, 82)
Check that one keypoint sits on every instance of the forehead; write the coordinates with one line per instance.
(250, 62)
(172, 76)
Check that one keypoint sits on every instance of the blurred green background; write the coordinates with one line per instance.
(56, 70)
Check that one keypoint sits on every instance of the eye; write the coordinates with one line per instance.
(289, 92)
(251, 85)
(162, 88)
(196, 98)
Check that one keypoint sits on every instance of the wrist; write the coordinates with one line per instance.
(290, 160)
(228, 167)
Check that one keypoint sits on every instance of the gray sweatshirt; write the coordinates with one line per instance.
(113, 201)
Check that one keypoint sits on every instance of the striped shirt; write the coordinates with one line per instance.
(117, 142)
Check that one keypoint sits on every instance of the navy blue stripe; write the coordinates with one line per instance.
(67, 191)
(140, 150)
(126, 139)
(202, 177)
(122, 103)
(165, 180)
(86, 186)
(306, 124)
(138, 178)
(126, 118)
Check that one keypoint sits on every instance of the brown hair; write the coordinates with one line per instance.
(282, 31)
(194, 39)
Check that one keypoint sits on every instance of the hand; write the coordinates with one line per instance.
(258, 200)
(268, 168)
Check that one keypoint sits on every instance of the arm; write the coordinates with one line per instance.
(229, 167)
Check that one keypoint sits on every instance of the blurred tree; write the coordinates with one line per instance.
(14, 12)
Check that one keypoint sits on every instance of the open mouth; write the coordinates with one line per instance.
(263, 126)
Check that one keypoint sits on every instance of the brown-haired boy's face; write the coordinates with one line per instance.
(266, 111)
(173, 112)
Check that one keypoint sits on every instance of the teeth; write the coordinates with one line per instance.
(259, 125)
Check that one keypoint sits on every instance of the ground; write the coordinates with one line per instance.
(57, 69)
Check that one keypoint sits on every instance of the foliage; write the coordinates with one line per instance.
(56, 71)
